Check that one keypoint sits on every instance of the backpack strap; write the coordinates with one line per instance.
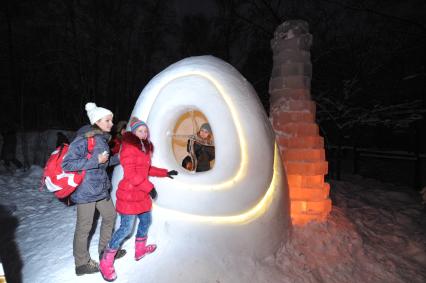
(90, 146)
(61, 147)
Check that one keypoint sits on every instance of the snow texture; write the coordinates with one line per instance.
(375, 233)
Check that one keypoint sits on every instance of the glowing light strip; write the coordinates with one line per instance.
(258, 210)
(227, 184)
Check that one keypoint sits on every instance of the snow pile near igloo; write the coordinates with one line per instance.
(375, 233)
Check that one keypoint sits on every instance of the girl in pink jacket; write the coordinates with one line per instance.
(134, 195)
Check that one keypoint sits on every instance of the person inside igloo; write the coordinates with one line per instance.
(201, 149)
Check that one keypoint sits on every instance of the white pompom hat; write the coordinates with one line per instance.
(95, 113)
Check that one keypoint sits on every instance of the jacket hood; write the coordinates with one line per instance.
(132, 139)
(88, 131)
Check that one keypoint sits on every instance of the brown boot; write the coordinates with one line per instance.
(88, 268)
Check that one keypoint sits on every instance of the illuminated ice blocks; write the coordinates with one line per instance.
(215, 224)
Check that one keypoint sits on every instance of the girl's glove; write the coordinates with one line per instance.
(153, 193)
(172, 173)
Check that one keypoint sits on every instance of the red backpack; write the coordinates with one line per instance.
(62, 183)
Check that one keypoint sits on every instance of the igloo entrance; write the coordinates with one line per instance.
(187, 143)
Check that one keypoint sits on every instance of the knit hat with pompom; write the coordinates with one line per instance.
(206, 127)
(96, 113)
(135, 123)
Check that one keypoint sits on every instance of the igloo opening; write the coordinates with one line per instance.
(186, 130)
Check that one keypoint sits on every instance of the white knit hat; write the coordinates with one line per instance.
(95, 113)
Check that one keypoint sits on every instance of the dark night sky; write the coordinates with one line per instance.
(193, 7)
(56, 55)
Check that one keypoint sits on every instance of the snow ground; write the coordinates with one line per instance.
(375, 233)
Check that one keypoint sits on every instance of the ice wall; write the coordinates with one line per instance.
(216, 224)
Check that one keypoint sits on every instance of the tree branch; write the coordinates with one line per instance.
(371, 11)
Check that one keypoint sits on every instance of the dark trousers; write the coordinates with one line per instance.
(85, 216)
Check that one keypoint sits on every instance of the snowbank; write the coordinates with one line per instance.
(375, 233)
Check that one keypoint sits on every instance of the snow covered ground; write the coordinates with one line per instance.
(375, 233)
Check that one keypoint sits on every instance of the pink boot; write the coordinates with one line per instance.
(141, 249)
(106, 265)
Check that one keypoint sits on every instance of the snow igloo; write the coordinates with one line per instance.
(211, 226)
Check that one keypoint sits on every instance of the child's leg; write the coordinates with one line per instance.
(123, 231)
(141, 248)
(144, 223)
(106, 264)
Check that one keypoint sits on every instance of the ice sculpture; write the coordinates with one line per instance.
(212, 225)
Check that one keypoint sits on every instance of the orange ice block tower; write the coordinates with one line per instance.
(292, 113)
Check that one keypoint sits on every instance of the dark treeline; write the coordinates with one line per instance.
(368, 57)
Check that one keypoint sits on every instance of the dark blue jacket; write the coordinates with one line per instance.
(96, 184)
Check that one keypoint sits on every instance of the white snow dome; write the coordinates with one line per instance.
(212, 225)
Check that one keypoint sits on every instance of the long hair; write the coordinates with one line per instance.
(147, 146)
(207, 141)
(118, 128)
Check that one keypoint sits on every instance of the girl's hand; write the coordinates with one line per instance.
(103, 157)
(172, 173)
(153, 193)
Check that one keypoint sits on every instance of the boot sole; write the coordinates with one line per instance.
(108, 280)
(147, 253)
(139, 258)
(81, 274)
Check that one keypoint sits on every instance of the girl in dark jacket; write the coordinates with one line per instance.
(93, 192)
(134, 195)
(201, 149)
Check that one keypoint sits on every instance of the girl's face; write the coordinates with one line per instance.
(142, 132)
(204, 134)
(105, 123)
